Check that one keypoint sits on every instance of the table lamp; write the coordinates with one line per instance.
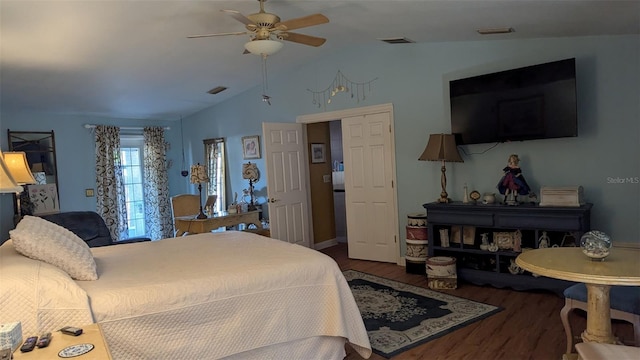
(7, 183)
(16, 162)
(199, 176)
(250, 171)
(442, 147)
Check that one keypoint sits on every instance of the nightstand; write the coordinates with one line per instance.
(91, 334)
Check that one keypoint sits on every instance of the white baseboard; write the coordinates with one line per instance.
(403, 261)
(325, 244)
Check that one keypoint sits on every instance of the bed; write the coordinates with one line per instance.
(229, 295)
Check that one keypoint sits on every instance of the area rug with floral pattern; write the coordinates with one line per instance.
(400, 316)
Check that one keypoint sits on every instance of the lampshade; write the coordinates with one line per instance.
(19, 167)
(263, 47)
(198, 174)
(7, 183)
(441, 147)
(250, 171)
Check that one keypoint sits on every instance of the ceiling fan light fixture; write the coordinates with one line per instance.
(263, 47)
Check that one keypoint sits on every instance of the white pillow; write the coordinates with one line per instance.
(43, 240)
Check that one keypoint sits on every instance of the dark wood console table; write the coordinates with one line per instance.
(563, 226)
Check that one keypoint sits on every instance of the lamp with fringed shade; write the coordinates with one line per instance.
(442, 147)
(199, 176)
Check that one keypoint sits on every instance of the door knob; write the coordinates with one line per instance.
(272, 200)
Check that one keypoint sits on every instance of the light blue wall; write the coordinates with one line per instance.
(75, 156)
(415, 79)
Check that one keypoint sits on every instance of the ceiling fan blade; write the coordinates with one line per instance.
(218, 34)
(302, 39)
(301, 22)
(238, 16)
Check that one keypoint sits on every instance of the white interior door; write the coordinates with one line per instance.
(287, 169)
(369, 172)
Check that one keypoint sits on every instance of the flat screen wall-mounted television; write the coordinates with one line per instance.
(533, 102)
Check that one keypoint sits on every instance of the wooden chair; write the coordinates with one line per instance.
(210, 203)
(184, 205)
(624, 304)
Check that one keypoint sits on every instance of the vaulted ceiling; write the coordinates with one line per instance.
(132, 59)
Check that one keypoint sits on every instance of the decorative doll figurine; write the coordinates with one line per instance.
(485, 241)
(517, 241)
(513, 183)
(544, 241)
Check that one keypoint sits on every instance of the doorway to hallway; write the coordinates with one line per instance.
(369, 180)
(337, 174)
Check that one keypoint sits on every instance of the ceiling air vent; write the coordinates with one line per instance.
(217, 90)
(398, 40)
(491, 31)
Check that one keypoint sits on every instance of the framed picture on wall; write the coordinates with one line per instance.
(251, 147)
(317, 153)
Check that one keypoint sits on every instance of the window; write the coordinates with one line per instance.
(215, 164)
(131, 152)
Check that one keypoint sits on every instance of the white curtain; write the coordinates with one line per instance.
(215, 164)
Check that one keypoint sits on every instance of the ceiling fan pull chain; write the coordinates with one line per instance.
(265, 98)
(265, 84)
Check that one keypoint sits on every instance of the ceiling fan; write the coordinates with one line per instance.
(267, 26)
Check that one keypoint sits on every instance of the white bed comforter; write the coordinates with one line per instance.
(41, 296)
(209, 296)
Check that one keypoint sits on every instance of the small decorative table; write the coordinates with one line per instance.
(190, 224)
(620, 268)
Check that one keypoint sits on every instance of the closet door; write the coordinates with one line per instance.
(369, 170)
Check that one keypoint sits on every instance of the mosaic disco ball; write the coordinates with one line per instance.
(595, 244)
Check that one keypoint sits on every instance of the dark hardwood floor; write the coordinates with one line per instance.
(529, 327)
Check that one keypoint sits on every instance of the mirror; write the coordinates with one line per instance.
(40, 149)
